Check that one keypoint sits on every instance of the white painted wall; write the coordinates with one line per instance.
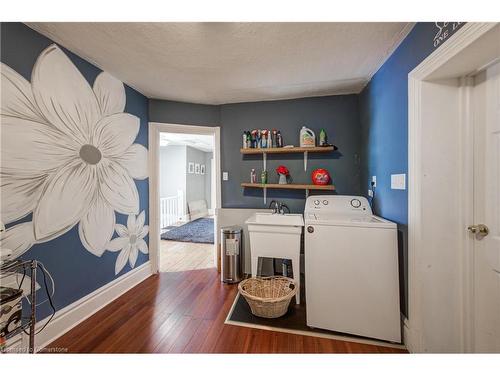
(208, 179)
(196, 183)
(172, 170)
(174, 161)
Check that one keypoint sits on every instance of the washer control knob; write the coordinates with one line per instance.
(316, 202)
(325, 202)
(356, 203)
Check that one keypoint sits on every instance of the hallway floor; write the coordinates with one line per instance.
(184, 312)
(185, 256)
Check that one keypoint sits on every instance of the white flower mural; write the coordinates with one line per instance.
(130, 241)
(67, 155)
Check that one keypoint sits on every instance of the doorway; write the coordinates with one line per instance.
(186, 202)
(454, 173)
(184, 196)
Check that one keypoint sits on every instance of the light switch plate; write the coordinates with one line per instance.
(398, 181)
(225, 176)
(374, 181)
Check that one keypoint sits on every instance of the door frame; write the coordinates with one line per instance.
(155, 128)
(413, 327)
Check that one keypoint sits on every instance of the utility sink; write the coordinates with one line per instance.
(267, 218)
(276, 236)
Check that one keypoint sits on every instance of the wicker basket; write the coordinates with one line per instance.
(268, 297)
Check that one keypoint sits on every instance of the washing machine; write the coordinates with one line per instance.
(351, 268)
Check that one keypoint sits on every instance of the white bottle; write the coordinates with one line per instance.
(307, 137)
(245, 143)
(253, 176)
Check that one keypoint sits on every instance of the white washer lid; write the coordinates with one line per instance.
(370, 221)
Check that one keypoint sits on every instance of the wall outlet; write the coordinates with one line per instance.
(225, 176)
(374, 181)
(398, 181)
(370, 193)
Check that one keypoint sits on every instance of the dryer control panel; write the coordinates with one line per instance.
(338, 204)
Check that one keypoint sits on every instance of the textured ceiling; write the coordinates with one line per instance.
(215, 63)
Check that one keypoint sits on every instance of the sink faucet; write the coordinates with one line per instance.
(281, 208)
(278, 207)
(274, 205)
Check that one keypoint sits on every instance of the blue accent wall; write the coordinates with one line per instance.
(384, 129)
(338, 115)
(76, 271)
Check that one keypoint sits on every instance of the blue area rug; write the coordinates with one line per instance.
(199, 231)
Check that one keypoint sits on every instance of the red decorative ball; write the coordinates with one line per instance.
(320, 176)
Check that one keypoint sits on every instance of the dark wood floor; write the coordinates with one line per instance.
(184, 312)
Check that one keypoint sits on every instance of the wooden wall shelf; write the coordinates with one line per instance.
(305, 187)
(287, 150)
(288, 186)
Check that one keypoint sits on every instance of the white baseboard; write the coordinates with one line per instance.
(73, 314)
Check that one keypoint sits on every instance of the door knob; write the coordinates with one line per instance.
(479, 229)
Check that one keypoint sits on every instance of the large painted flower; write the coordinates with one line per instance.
(67, 154)
(130, 241)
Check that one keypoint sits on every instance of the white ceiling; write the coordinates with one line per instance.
(198, 141)
(215, 63)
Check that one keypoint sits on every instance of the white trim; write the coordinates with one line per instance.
(154, 173)
(469, 33)
(466, 186)
(465, 36)
(75, 313)
(154, 196)
(413, 338)
(330, 336)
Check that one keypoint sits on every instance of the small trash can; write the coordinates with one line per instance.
(232, 254)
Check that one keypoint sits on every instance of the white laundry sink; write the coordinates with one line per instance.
(267, 218)
(276, 236)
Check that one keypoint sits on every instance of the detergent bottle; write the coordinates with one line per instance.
(307, 137)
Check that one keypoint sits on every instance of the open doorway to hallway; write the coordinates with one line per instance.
(187, 202)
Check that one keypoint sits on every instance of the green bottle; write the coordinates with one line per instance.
(323, 139)
(263, 177)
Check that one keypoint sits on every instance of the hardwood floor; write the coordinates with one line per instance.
(184, 312)
(185, 256)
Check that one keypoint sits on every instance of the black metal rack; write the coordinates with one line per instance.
(26, 322)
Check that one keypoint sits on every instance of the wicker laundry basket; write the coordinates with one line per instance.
(268, 297)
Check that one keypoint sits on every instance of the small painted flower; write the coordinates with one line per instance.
(130, 241)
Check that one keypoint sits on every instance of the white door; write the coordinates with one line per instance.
(486, 309)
